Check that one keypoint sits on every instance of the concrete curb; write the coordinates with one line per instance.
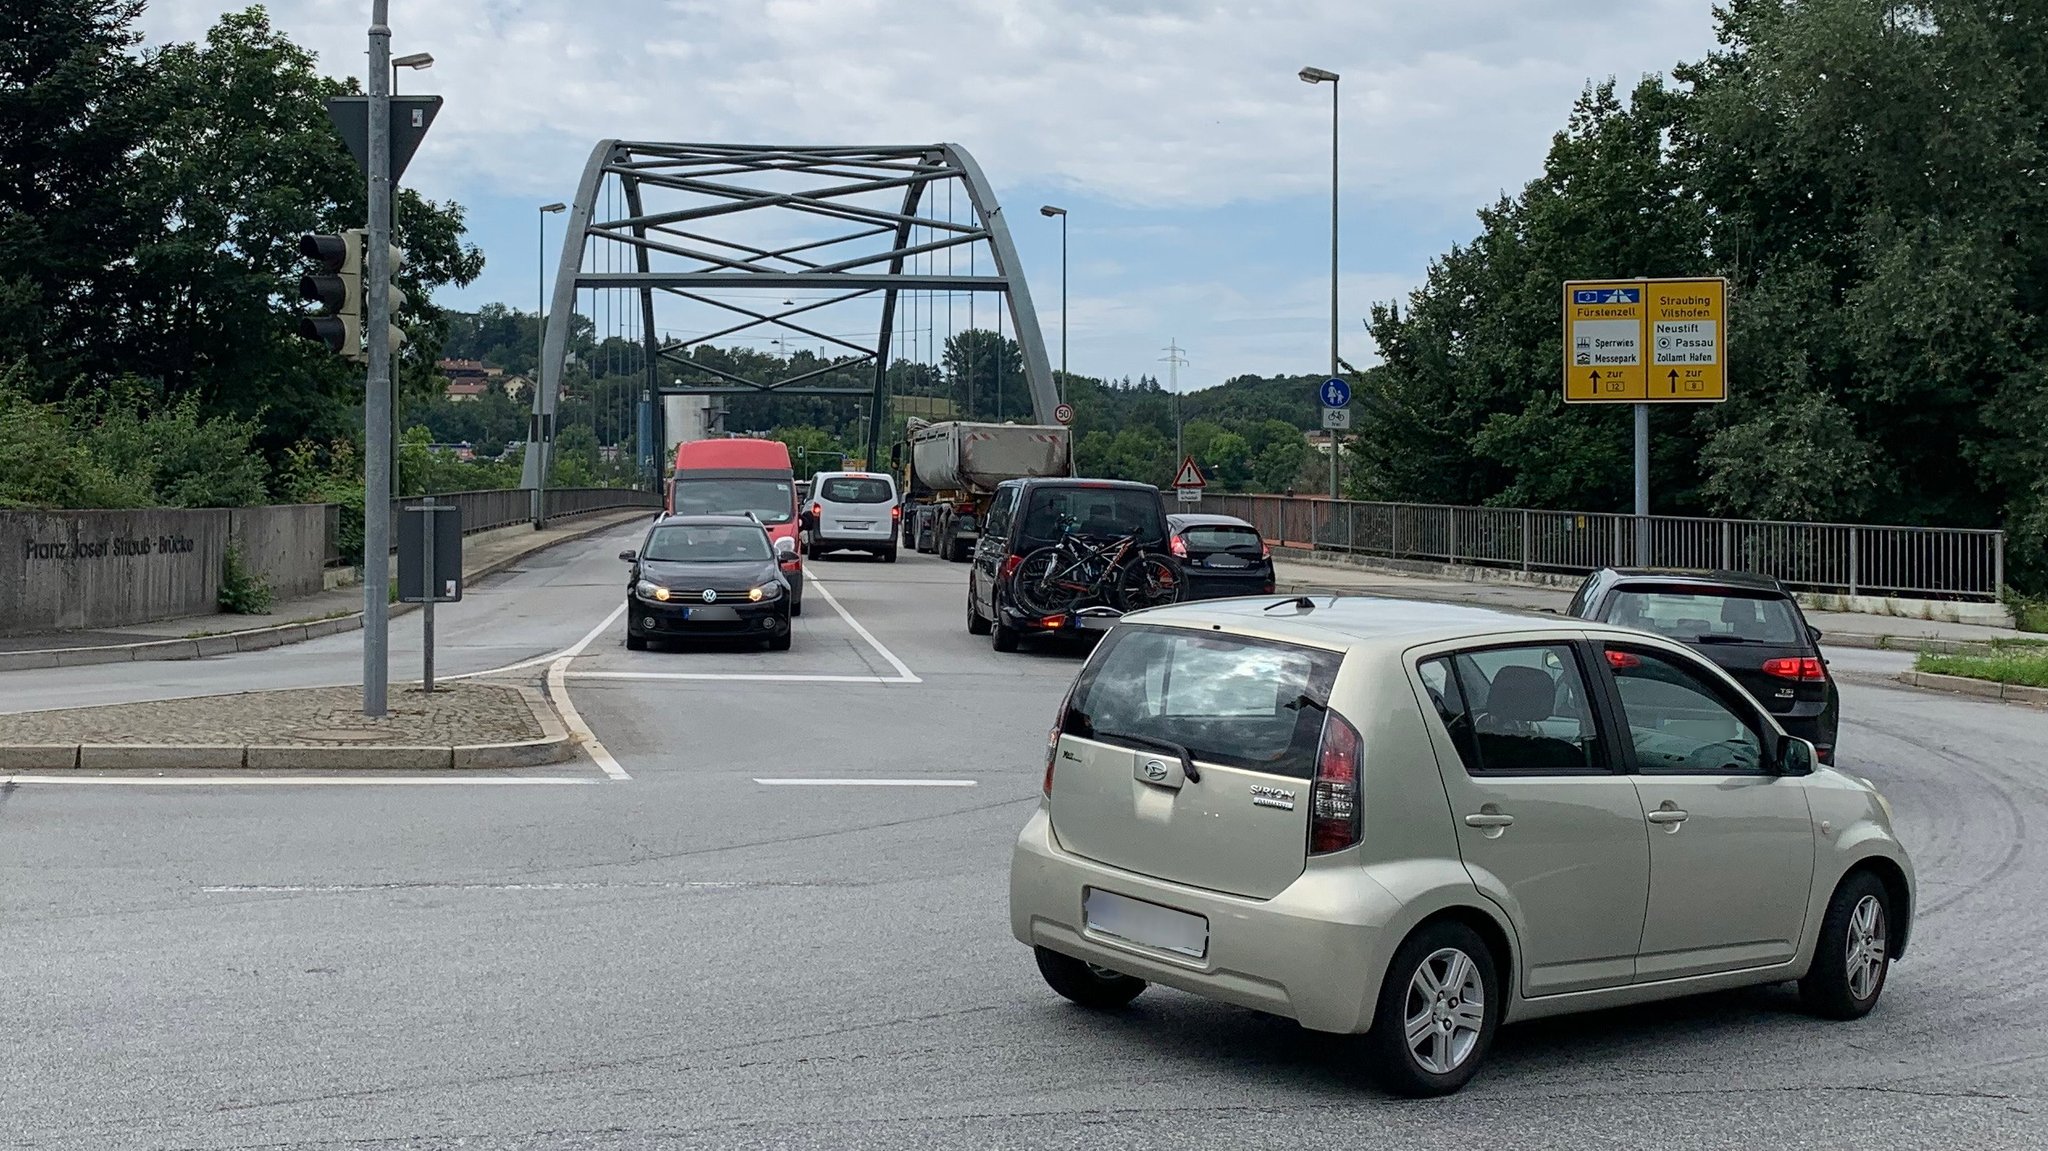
(1980, 688)
(270, 635)
(554, 746)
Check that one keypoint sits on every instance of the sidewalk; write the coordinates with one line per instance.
(289, 621)
(1839, 629)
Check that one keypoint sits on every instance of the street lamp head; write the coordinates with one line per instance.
(1317, 75)
(1049, 210)
(415, 60)
(554, 207)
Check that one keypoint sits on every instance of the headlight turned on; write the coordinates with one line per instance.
(648, 590)
(764, 591)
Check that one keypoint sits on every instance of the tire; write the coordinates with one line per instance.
(779, 642)
(1090, 986)
(889, 554)
(1026, 585)
(1148, 581)
(1452, 1036)
(1847, 975)
(635, 642)
(796, 607)
(977, 624)
(1002, 636)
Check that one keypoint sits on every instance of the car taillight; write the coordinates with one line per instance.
(1265, 550)
(1179, 544)
(1333, 800)
(1010, 565)
(1807, 669)
(1052, 741)
(817, 510)
(1620, 660)
(896, 513)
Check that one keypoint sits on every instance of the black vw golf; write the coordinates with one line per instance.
(1748, 624)
(710, 577)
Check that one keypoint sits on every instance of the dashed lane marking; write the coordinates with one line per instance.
(866, 782)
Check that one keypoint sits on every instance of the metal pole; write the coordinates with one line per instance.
(1335, 448)
(540, 345)
(377, 396)
(397, 415)
(1642, 484)
(433, 586)
(1063, 303)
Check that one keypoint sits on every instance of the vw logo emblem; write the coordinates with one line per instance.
(1155, 770)
(710, 596)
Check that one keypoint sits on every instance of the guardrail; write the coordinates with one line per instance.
(483, 511)
(1845, 559)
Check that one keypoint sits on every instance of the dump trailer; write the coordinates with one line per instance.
(947, 472)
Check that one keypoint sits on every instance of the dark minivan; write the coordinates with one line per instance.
(1025, 515)
(1747, 624)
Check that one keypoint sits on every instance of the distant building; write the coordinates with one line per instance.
(517, 388)
(466, 391)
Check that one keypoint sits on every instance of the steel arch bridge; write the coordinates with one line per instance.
(762, 243)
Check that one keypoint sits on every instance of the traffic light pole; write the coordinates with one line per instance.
(377, 396)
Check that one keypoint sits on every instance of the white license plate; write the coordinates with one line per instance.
(1095, 622)
(1145, 923)
(856, 525)
(1228, 562)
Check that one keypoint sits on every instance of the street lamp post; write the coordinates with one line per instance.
(1318, 76)
(416, 61)
(541, 432)
(1050, 211)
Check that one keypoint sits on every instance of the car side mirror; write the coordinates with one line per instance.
(785, 548)
(1796, 756)
(630, 557)
(1813, 633)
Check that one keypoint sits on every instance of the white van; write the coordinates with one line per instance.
(853, 510)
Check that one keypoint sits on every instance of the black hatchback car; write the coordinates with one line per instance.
(1747, 624)
(708, 577)
(1221, 555)
(1025, 515)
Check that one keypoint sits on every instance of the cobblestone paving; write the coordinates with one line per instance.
(457, 713)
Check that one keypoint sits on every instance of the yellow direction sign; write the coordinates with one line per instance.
(1603, 342)
(1688, 333)
(1645, 341)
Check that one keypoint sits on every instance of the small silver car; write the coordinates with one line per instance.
(1420, 821)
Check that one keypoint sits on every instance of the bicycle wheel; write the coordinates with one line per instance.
(1147, 581)
(1035, 590)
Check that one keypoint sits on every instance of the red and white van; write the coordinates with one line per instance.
(743, 476)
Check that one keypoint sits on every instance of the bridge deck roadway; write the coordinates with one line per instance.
(691, 958)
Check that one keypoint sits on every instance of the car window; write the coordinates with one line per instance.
(771, 501)
(1000, 512)
(1220, 537)
(1227, 699)
(1106, 512)
(1682, 722)
(1706, 616)
(856, 490)
(1516, 710)
(705, 543)
(1579, 601)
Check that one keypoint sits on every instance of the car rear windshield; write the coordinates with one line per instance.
(1220, 537)
(705, 543)
(1238, 702)
(1707, 615)
(1103, 512)
(856, 490)
(771, 501)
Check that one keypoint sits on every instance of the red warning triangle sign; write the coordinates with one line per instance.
(1189, 475)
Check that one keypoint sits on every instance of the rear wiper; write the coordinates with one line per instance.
(1187, 761)
(1723, 639)
(1306, 700)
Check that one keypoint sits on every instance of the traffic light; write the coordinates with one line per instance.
(338, 286)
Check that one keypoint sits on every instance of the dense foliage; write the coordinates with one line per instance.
(150, 209)
(1867, 174)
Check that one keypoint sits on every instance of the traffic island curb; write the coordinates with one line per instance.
(1980, 688)
(554, 746)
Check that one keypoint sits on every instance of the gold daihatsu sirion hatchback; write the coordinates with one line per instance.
(1420, 821)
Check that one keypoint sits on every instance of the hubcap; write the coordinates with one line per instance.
(1866, 951)
(1445, 1010)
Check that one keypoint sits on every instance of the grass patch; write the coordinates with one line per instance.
(2026, 665)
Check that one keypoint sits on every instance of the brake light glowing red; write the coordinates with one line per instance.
(1334, 822)
(1179, 544)
(1806, 670)
(896, 513)
(1621, 660)
(817, 510)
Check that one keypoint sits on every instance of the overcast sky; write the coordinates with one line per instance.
(1194, 162)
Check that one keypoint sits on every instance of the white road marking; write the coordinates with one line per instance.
(764, 677)
(866, 782)
(579, 885)
(304, 780)
(573, 719)
(903, 671)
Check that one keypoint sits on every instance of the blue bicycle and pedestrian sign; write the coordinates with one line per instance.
(1336, 393)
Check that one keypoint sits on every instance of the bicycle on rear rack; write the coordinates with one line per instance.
(1074, 573)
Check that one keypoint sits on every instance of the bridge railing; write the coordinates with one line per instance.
(1844, 559)
(483, 511)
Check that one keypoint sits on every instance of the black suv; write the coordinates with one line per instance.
(1025, 515)
(1747, 624)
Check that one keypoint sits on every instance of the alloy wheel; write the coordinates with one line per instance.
(1446, 1009)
